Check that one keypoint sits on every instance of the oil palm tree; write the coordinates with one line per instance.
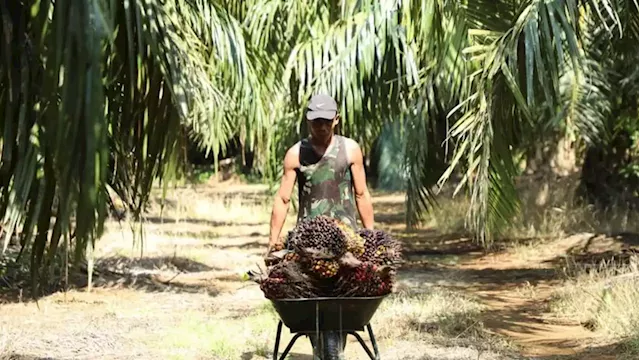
(537, 69)
(473, 81)
(98, 96)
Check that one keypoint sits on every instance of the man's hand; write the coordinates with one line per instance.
(274, 246)
(269, 258)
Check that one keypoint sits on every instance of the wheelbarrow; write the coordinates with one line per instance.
(327, 321)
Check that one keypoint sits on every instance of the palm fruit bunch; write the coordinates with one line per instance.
(326, 268)
(318, 238)
(292, 256)
(354, 242)
(368, 279)
(286, 280)
(379, 247)
(273, 287)
(324, 257)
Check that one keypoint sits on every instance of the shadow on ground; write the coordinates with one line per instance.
(212, 223)
(597, 249)
(617, 351)
(494, 279)
(174, 263)
(254, 196)
(141, 274)
(151, 283)
(25, 357)
(291, 356)
(246, 246)
(209, 234)
(426, 246)
(144, 274)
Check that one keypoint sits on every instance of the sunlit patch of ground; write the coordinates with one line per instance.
(184, 298)
(181, 296)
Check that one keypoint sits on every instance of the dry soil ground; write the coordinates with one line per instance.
(184, 298)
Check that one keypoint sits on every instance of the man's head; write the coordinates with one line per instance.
(322, 116)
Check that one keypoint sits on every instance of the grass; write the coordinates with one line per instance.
(444, 316)
(629, 348)
(605, 300)
(187, 204)
(547, 211)
(441, 313)
(222, 338)
(192, 216)
(449, 216)
(5, 345)
(223, 230)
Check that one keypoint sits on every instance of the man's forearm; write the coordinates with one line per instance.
(278, 215)
(365, 208)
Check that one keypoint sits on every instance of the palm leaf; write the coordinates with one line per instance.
(101, 96)
(366, 39)
(518, 76)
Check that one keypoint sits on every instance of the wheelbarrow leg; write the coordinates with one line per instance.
(288, 348)
(373, 341)
(364, 345)
(277, 346)
(278, 332)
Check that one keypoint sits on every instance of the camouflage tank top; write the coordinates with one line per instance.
(325, 184)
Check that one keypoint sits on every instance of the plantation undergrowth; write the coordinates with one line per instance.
(185, 297)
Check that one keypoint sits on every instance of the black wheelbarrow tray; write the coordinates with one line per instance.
(316, 317)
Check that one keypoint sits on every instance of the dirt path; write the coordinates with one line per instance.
(175, 301)
(516, 307)
(515, 287)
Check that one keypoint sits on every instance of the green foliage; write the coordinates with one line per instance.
(96, 93)
(391, 172)
(474, 81)
(630, 347)
(629, 127)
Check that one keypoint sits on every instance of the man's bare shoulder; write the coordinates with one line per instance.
(353, 148)
(294, 150)
(292, 156)
(350, 143)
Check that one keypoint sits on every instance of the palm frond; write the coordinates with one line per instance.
(55, 132)
(424, 159)
(543, 40)
(98, 94)
(439, 37)
(367, 39)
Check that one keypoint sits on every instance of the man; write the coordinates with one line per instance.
(330, 172)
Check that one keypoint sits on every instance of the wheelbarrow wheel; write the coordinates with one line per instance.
(328, 345)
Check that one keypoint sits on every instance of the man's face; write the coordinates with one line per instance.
(322, 129)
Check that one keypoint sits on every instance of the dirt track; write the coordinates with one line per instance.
(515, 288)
(187, 287)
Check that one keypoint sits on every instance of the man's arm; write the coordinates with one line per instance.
(363, 198)
(283, 197)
